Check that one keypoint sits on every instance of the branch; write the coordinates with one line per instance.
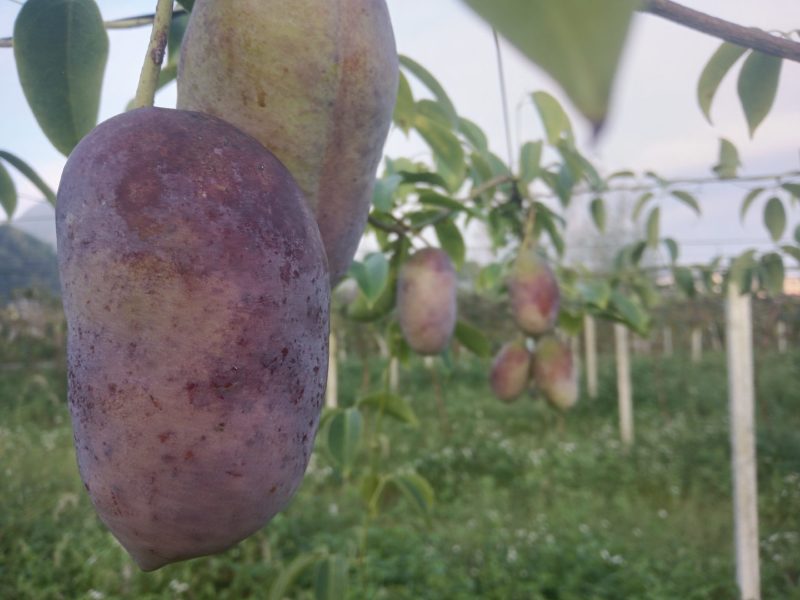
(126, 23)
(749, 37)
(148, 79)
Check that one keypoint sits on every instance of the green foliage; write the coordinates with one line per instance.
(61, 47)
(28, 172)
(343, 436)
(757, 86)
(8, 193)
(522, 510)
(729, 161)
(372, 276)
(578, 43)
(714, 72)
(775, 218)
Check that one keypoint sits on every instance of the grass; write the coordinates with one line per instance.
(525, 508)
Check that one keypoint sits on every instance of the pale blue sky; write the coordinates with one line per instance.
(654, 124)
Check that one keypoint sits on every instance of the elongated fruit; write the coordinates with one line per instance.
(426, 301)
(315, 81)
(534, 293)
(511, 371)
(555, 372)
(197, 298)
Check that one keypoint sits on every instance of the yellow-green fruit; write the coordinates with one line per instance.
(426, 301)
(315, 81)
(511, 371)
(555, 372)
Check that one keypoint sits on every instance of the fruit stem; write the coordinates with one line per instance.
(148, 79)
(528, 239)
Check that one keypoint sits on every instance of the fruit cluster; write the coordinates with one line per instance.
(535, 299)
(197, 248)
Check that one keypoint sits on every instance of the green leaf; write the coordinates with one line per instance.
(653, 227)
(772, 272)
(640, 204)
(489, 278)
(685, 280)
(452, 242)
(447, 150)
(741, 272)
(431, 198)
(405, 107)
(413, 177)
(187, 4)
(595, 292)
(371, 275)
(391, 405)
(8, 193)
(289, 574)
(556, 123)
(714, 72)
(729, 161)
(757, 86)
(578, 43)
(344, 437)
(177, 28)
(598, 210)
(637, 252)
(472, 339)
(474, 135)
(433, 85)
(792, 251)
(628, 311)
(383, 193)
(434, 111)
(530, 161)
(415, 488)
(687, 199)
(775, 218)
(672, 248)
(793, 189)
(61, 47)
(330, 578)
(32, 176)
(748, 200)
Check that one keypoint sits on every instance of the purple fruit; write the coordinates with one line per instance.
(555, 372)
(534, 292)
(426, 301)
(511, 371)
(196, 293)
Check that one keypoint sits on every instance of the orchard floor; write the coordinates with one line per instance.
(526, 507)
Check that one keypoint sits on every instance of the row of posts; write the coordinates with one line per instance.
(741, 398)
(741, 393)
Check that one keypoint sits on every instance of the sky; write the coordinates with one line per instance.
(654, 122)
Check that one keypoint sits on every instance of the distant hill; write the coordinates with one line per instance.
(39, 221)
(25, 263)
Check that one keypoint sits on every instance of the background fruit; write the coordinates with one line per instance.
(555, 373)
(534, 292)
(197, 299)
(426, 300)
(511, 371)
(315, 81)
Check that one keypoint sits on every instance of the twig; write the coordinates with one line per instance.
(126, 23)
(749, 37)
(148, 80)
